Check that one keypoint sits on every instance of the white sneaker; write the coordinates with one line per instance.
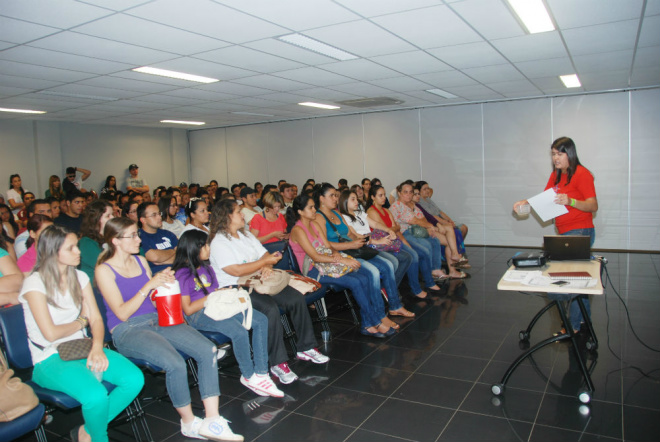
(262, 384)
(313, 355)
(283, 373)
(192, 429)
(217, 428)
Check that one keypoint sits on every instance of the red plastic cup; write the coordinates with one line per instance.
(168, 304)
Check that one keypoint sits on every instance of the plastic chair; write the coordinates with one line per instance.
(15, 344)
(30, 421)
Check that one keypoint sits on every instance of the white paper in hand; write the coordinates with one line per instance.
(545, 207)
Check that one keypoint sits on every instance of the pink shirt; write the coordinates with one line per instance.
(265, 227)
(28, 260)
(403, 214)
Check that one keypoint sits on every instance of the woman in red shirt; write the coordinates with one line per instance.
(574, 185)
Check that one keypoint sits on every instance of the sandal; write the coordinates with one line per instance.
(442, 277)
(405, 313)
(463, 275)
(376, 334)
(392, 324)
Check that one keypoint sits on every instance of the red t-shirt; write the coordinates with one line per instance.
(265, 227)
(580, 188)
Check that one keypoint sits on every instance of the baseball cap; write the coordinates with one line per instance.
(133, 166)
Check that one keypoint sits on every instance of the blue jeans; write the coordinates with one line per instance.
(413, 269)
(429, 258)
(574, 312)
(372, 306)
(240, 338)
(381, 269)
(141, 337)
(401, 262)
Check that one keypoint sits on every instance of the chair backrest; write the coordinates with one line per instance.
(14, 337)
(293, 262)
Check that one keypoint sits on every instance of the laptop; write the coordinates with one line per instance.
(567, 247)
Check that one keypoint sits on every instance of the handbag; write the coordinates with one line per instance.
(302, 283)
(393, 247)
(419, 231)
(363, 252)
(75, 349)
(272, 285)
(331, 269)
(226, 303)
(16, 398)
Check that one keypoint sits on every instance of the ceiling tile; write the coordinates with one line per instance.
(546, 68)
(199, 94)
(113, 82)
(647, 57)
(253, 102)
(649, 76)
(285, 50)
(603, 62)
(401, 84)
(26, 83)
(315, 76)
(446, 78)
(604, 80)
(43, 57)
(550, 85)
(362, 89)
(31, 71)
(5, 45)
(492, 74)
(246, 58)
(61, 14)
(429, 27)
(8, 91)
(296, 15)
(116, 5)
(325, 94)
(517, 87)
(33, 101)
(273, 83)
(490, 19)
(203, 67)
(652, 7)
(136, 31)
(571, 14)
(468, 55)
(19, 31)
(411, 63)
(100, 48)
(169, 100)
(477, 92)
(208, 18)
(229, 87)
(598, 38)
(81, 89)
(373, 39)
(373, 8)
(284, 97)
(531, 47)
(360, 69)
(650, 35)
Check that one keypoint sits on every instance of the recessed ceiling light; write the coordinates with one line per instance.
(319, 105)
(252, 114)
(174, 74)
(21, 111)
(441, 93)
(533, 15)
(316, 46)
(191, 123)
(88, 97)
(570, 80)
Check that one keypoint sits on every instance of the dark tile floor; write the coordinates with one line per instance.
(432, 381)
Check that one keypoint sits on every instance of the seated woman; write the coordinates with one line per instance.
(235, 253)
(361, 197)
(359, 226)
(58, 304)
(9, 225)
(110, 185)
(197, 279)
(249, 209)
(406, 214)
(197, 211)
(130, 210)
(333, 228)
(11, 277)
(306, 237)
(168, 209)
(376, 212)
(427, 203)
(125, 281)
(15, 194)
(270, 226)
(54, 188)
(94, 218)
(36, 225)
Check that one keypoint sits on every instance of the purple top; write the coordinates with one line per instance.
(128, 287)
(191, 286)
(430, 218)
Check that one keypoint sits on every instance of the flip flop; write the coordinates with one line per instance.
(463, 276)
(442, 277)
(393, 324)
(407, 314)
(462, 265)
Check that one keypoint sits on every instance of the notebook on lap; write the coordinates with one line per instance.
(567, 247)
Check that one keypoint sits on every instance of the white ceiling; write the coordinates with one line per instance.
(73, 58)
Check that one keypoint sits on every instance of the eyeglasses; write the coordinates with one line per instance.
(131, 236)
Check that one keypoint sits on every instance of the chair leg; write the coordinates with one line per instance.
(193, 371)
(288, 332)
(351, 306)
(141, 418)
(322, 313)
(40, 434)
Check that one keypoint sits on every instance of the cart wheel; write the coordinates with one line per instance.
(523, 335)
(497, 389)
(584, 396)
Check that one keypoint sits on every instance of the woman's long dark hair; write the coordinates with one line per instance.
(91, 216)
(292, 215)
(567, 146)
(107, 183)
(343, 204)
(187, 254)
(12, 222)
(220, 218)
(11, 178)
(319, 191)
(164, 207)
(372, 194)
(35, 223)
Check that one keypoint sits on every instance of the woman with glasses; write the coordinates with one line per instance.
(168, 209)
(130, 210)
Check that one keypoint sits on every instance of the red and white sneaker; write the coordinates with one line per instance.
(283, 373)
(312, 355)
(262, 385)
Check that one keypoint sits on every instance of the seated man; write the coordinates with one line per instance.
(158, 244)
(286, 190)
(70, 217)
(73, 181)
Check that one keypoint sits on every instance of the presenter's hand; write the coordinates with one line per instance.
(562, 199)
(518, 204)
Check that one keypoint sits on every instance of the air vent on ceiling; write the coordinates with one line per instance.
(371, 102)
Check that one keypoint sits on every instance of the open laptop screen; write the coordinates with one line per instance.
(567, 247)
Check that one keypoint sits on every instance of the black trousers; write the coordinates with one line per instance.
(293, 303)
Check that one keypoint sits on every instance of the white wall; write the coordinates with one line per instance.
(478, 158)
(37, 150)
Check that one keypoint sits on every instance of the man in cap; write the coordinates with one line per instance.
(73, 181)
(135, 183)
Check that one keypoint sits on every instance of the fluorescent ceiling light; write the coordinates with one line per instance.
(253, 114)
(319, 105)
(174, 74)
(191, 123)
(21, 111)
(533, 15)
(441, 93)
(570, 80)
(88, 97)
(316, 46)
